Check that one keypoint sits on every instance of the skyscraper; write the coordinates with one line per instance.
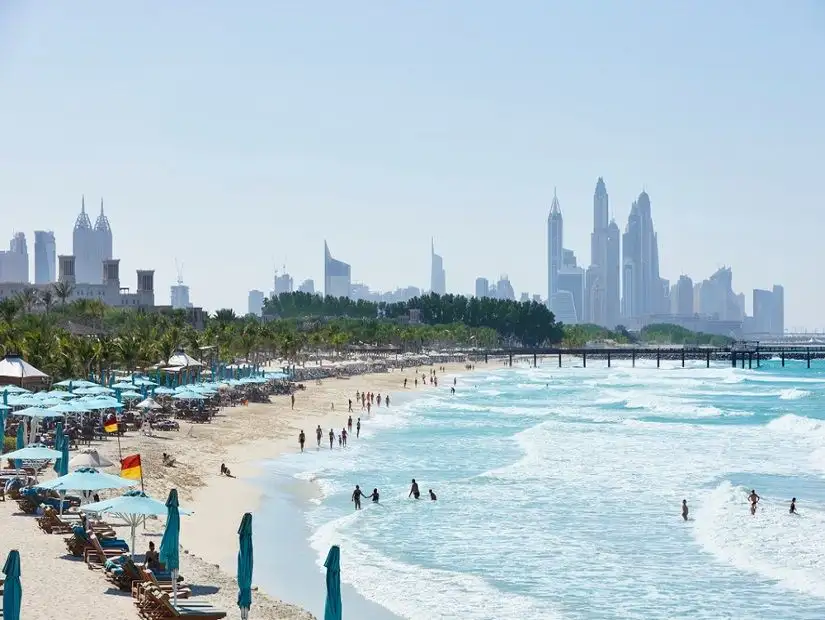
(337, 280)
(103, 239)
(613, 275)
(45, 257)
(438, 277)
(643, 291)
(255, 302)
(682, 302)
(14, 263)
(84, 249)
(482, 288)
(555, 247)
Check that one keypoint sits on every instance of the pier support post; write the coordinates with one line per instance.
(707, 364)
(758, 356)
(783, 359)
(808, 355)
(683, 357)
(733, 358)
(750, 360)
(743, 360)
(559, 359)
(658, 357)
(584, 359)
(485, 357)
(608, 359)
(535, 362)
(633, 358)
(511, 360)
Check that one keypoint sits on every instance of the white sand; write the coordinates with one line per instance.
(240, 437)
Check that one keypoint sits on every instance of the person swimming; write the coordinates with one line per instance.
(432, 495)
(754, 499)
(374, 496)
(684, 509)
(414, 490)
(793, 507)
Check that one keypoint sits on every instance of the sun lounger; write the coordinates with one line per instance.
(157, 605)
(96, 555)
(79, 541)
(53, 523)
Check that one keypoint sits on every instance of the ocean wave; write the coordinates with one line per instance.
(394, 584)
(793, 394)
(797, 425)
(778, 546)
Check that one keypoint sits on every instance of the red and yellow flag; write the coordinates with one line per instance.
(130, 467)
(110, 425)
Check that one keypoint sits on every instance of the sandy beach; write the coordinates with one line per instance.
(241, 437)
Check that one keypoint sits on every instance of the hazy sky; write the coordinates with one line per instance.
(237, 136)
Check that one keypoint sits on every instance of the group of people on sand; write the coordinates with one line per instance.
(753, 498)
(357, 494)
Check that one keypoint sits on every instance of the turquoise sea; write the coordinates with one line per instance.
(559, 495)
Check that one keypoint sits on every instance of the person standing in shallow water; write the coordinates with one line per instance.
(357, 494)
(684, 509)
(358, 428)
(754, 499)
(349, 424)
(318, 433)
(414, 492)
(793, 507)
(302, 439)
(331, 438)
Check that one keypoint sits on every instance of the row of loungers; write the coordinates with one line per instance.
(101, 550)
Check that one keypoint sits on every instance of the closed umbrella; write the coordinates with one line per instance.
(170, 543)
(245, 566)
(61, 468)
(61, 465)
(21, 441)
(332, 610)
(12, 592)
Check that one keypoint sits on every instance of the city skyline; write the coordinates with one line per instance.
(721, 126)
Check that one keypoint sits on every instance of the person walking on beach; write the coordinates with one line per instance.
(405, 383)
(318, 433)
(350, 405)
(292, 398)
(344, 437)
(302, 439)
(331, 438)
(379, 400)
(357, 494)
(374, 496)
(793, 507)
(754, 499)
(684, 509)
(414, 490)
(358, 429)
(349, 424)
(387, 400)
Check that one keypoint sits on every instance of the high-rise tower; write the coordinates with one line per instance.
(438, 277)
(555, 247)
(87, 269)
(45, 257)
(103, 235)
(643, 290)
(337, 278)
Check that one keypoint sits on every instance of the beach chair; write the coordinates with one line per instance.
(96, 555)
(161, 581)
(79, 541)
(156, 605)
(53, 523)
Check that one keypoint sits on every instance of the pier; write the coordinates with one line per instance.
(739, 355)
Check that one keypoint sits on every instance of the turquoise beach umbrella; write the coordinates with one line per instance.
(61, 465)
(170, 543)
(245, 565)
(332, 610)
(59, 437)
(12, 591)
(21, 441)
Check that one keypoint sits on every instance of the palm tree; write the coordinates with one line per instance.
(62, 290)
(8, 310)
(127, 349)
(27, 299)
(47, 298)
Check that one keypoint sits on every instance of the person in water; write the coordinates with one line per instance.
(358, 428)
(357, 494)
(318, 434)
(432, 495)
(793, 507)
(754, 499)
(684, 509)
(414, 490)
(331, 438)
(302, 439)
(374, 496)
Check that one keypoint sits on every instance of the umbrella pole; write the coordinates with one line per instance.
(62, 495)
(134, 527)
(175, 587)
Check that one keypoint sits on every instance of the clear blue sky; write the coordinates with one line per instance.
(235, 136)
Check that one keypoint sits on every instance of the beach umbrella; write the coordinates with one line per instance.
(245, 565)
(64, 408)
(332, 609)
(13, 389)
(62, 394)
(133, 507)
(148, 403)
(34, 452)
(38, 412)
(169, 545)
(89, 458)
(21, 441)
(163, 390)
(61, 465)
(123, 385)
(99, 389)
(87, 479)
(130, 395)
(190, 395)
(12, 591)
(75, 383)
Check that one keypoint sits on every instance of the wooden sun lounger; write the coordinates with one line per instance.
(96, 556)
(157, 605)
(147, 578)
